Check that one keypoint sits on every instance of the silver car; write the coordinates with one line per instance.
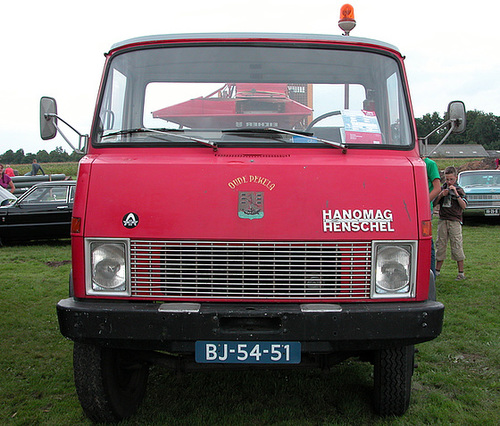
(6, 197)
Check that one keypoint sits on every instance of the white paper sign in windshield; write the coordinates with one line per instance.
(361, 127)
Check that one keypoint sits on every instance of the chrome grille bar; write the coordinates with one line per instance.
(250, 270)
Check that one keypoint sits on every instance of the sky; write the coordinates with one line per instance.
(56, 48)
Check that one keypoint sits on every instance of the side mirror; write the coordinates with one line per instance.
(48, 119)
(457, 116)
(456, 122)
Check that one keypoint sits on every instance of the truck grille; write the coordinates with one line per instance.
(250, 270)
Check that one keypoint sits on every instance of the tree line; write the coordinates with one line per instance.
(482, 129)
(58, 155)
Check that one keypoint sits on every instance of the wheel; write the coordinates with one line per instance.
(321, 117)
(393, 369)
(110, 383)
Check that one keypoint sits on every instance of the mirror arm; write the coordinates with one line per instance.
(81, 137)
(454, 123)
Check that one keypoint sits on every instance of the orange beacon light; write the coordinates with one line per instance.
(346, 21)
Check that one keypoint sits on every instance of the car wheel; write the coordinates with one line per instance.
(393, 369)
(110, 383)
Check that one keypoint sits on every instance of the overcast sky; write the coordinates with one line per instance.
(55, 48)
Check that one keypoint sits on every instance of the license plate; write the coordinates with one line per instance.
(233, 352)
(492, 212)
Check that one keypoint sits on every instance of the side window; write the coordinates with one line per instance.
(59, 194)
(72, 194)
(46, 195)
(37, 196)
(399, 133)
(112, 113)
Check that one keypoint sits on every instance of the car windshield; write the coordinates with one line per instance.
(483, 178)
(244, 94)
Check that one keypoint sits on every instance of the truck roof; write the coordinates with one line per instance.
(152, 39)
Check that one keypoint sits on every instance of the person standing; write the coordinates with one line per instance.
(6, 181)
(9, 171)
(434, 182)
(452, 201)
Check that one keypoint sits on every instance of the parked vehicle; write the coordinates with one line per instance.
(6, 197)
(285, 222)
(43, 212)
(482, 188)
(25, 182)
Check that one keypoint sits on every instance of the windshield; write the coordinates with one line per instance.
(231, 95)
(482, 178)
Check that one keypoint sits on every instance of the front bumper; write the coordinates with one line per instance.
(493, 212)
(321, 328)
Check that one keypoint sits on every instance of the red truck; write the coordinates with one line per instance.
(255, 200)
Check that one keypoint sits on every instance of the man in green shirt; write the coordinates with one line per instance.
(434, 181)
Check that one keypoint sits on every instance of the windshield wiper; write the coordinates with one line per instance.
(331, 143)
(167, 132)
(286, 132)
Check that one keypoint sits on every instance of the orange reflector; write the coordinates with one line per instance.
(347, 13)
(426, 228)
(76, 223)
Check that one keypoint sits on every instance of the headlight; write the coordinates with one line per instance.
(107, 271)
(394, 269)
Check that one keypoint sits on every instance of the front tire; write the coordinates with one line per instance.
(393, 370)
(110, 383)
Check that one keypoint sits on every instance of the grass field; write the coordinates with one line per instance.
(69, 169)
(457, 380)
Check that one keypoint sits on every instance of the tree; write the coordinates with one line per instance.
(18, 157)
(482, 129)
(427, 124)
(485, 130)
(58, 155)
(7, 157)
(43, 156)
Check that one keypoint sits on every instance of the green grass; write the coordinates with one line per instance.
(457, 380)
(69, 169)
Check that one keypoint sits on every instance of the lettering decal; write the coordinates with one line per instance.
(357, 221)
(250, 205)
(265, 124)
(130, 220)
(251, 179)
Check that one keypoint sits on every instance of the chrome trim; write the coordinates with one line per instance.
(320, 307)
(413, 271)
(88, 267)
(180, 307)
(243, 270)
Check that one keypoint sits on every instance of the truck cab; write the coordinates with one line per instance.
(249, 200)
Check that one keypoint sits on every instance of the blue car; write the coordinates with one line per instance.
(482, 188)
